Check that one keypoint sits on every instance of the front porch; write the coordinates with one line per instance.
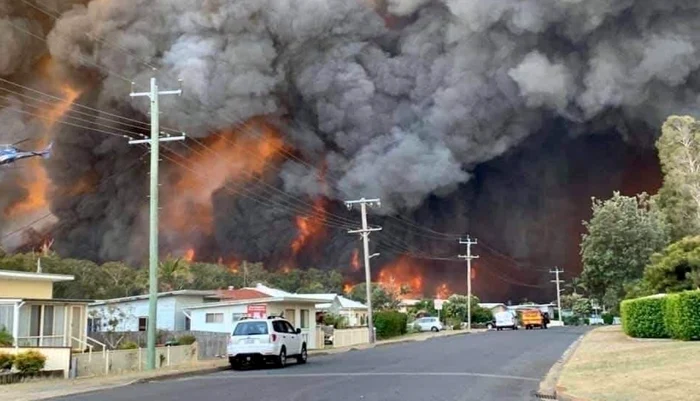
(46, 322)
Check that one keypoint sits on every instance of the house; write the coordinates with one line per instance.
(355, 313)
(234, 304)
(35, 318)
(494, 307)
(405, 304)
(131, 313)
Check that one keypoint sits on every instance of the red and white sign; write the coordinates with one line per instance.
(257, 311)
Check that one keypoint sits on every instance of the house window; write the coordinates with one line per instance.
(304, 319)
(143, 323)
(214, 318)
(188, 323)
(94, 324)
(48, 320)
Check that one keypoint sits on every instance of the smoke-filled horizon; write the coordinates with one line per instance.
(405, 100)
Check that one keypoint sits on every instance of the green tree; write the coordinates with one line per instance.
(209, 276)
(582, 307)
(381, 298)
(173, 274)
(679, 154)
(621, 236)
(676, 268)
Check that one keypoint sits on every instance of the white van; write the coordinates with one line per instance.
(505, 320)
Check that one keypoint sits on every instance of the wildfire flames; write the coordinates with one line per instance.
(347, 289)
(442, 291)
(355, 261)
(310, 226)
(35, 180)
(231, 157)
(189, 255)
(402, 277)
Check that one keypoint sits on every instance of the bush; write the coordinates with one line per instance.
(128, 345)
(644, 317)
(481, 315)
(572, 320)
(6, 339)
(30, 362)
(608, 318)
(337, 321)
(682, 315)
(6, 361)
(390, 323)
(187, 340)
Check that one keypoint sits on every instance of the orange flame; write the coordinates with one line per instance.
(230, 157)
(442, 291)
(347, 289)
(403, 272)
(36, 180)
(355, 261)
(310, 226)
(473, 272)
(189, 255)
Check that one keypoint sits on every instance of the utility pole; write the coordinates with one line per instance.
(364, 233)
(556, 273)
(468, 257)
(154, 142)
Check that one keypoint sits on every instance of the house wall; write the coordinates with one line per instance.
(275, 308)
(26, 289)
(128, 313)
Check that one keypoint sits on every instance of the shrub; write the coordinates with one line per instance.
(6, 339)
(390, 323)
(128, 345)
(608, 318)
(481, 315)
(6, 361)
(644, 317)
(682, 315)
(572, 320)
(30, 362)
(337, 321)
(187, 339)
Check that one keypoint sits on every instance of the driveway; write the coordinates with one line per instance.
(492, 366)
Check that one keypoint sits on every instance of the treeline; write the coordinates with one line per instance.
(117, 279)
(642, 245)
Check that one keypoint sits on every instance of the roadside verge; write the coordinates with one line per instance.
(609, 366)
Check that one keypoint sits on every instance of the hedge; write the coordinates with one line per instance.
(644, 317)
(390, 323)
(30, 362)
(683, 315)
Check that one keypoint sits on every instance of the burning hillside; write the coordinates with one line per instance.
(500, 119)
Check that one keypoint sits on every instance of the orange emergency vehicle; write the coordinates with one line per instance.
(532, 318)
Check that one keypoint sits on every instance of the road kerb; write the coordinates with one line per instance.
(548, 389)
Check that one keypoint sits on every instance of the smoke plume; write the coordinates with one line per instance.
(405, 100)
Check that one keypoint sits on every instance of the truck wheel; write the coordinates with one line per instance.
(489, 326)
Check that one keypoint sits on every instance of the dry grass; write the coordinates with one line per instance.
(609, 366)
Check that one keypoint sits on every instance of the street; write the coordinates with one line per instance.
(492, 366)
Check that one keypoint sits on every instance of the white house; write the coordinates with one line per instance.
(248, 302)
(354, 312)
(131, 313)
(494, 307)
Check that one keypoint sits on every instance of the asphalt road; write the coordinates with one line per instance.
(493, 366)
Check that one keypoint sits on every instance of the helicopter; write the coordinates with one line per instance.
(11, 153)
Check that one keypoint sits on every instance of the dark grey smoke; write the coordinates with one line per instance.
(400, 99)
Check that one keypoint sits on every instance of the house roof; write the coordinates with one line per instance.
(294, 298)
(160, 295)
(350, 304)
(491, 305)
(19, 275)
(240, 294)
(47, 301)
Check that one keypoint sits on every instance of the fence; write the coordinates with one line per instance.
(348, 337)
(113, 362)
(209, 345)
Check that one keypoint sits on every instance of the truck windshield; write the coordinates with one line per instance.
(250, 329)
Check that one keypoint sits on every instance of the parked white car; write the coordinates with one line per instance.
(265, 340)
(428, 324)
